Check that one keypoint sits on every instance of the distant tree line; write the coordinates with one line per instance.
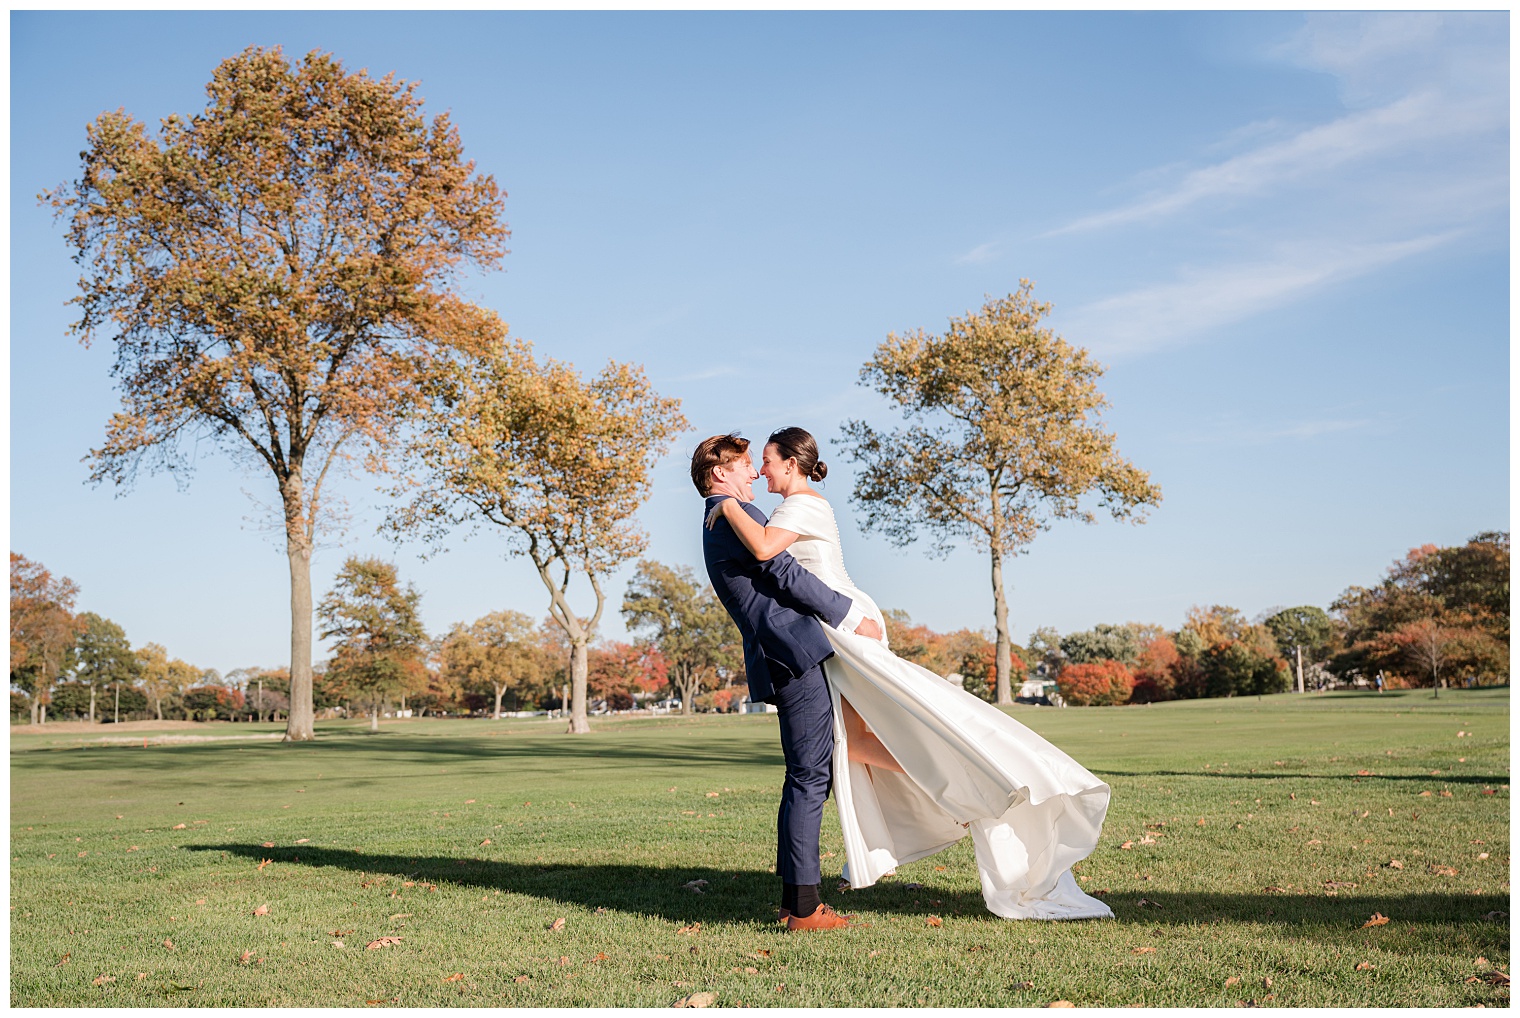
(81, 666)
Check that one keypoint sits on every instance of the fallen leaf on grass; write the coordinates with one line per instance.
(1338, 883)
(1023, 984)
(268, 844)
(1363, 966)
(1274, 889)
(468, 801)
(1146, 902)
(1378, 919)
(168, 945)
(1127, 845)
(1496, 917)
(938, 868)
(1497, 978)
(245, 959)
(1060, 1003)
(262, 910)
(1143, 950)
(263, 863)
(712, 795)
(1488, 791)
(337, 943)
(65, 959)
(339, 933)
(600, 956)
(1147, 840)
(1482, 855)
(1394, 864)
(934, 920)
(1364, 774)
(177, 827)
(1424, 795)
(486, 842)
(454, 978)
(520, 979)
(102, 979)
(695, 885)
(400, 915)
(703, 999)
(1442, 871)
(1445, 794)
(1314, 841)
(558, 924)
(302, 841)
(375, 945)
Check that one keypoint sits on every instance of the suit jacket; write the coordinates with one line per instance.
(775, 604)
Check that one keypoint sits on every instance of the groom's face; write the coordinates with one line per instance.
(736, 477)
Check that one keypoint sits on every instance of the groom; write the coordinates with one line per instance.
(777, 605)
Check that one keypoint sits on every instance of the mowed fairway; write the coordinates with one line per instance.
(1260, 839)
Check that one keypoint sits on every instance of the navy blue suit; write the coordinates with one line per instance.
(776, 606)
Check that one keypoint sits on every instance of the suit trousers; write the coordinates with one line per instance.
(807, 744)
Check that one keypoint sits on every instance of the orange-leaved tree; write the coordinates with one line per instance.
(559, 463)
(1003, 438)
(43, 629)
(278, 272)
(1098, 684)
(497, 652)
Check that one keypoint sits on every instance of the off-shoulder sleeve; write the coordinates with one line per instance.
(798, 515)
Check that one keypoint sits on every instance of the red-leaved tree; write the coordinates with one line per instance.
(1100, 684)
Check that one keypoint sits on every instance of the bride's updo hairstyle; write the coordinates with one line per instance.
(797, 444)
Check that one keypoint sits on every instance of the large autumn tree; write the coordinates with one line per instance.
(43, 629)
(277, 272)
(679, 615)
(1003, 438)
(377, 632)
(559, 464)
(496, 653)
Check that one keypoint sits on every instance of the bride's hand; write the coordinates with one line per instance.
(718, 510)
(869, 629)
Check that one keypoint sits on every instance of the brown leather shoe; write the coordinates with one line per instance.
(782, 915)
(823, 919)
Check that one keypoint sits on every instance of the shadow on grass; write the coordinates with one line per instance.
(402, 749)
(752, 896)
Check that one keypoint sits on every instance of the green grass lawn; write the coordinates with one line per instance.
(1261, 836)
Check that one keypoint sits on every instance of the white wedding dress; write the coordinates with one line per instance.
(1031, 810)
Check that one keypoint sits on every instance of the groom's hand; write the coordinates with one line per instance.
(869, 629)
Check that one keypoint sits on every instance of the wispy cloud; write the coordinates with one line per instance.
(1154, 317)
(981, 253)
(1418, 160)
(1413, 121)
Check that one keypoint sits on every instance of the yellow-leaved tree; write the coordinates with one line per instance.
(277, 272)
(1003, 438)
(559, 463)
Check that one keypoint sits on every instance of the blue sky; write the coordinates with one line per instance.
(1285, 234)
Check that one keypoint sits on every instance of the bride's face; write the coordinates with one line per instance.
(778, 473)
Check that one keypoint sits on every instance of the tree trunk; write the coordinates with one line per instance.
(1299, 652)
(1004, 643)
(299, 727)
(578, 723)
(36, 706)
(92, 703)
(496, 714)
(158, 707)
(116, 713)
(374, 718)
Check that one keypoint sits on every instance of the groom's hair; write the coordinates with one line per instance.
(715, 452)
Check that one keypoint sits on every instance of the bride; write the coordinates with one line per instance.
(918, 762)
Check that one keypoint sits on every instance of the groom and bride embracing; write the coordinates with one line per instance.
(914, 763)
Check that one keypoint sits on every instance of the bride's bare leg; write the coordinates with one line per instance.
(864, 746)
